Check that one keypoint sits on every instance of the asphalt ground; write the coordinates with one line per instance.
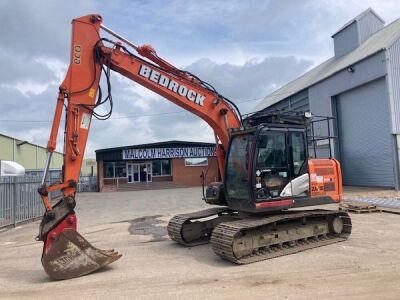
(367, 266)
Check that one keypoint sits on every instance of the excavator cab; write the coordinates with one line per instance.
(268, 168)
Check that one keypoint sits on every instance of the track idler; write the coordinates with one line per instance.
(66, 253)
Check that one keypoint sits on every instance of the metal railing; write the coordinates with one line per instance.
(20, 201)
(88, 184)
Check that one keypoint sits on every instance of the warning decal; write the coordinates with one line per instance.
(85, 121)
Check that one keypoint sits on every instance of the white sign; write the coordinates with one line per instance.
(132, 154)
(85, 122)
(323, 142)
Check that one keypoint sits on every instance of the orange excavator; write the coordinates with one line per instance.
(265, 167)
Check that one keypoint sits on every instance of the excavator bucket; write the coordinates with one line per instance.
(67, 254)
(71, 255)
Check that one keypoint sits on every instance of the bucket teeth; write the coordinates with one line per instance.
(71, 255)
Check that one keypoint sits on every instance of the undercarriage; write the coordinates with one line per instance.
(244, 239)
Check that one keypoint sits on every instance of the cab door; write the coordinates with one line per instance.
(238, 163)
(271, 170)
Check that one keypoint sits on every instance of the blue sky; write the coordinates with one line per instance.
(246, 49)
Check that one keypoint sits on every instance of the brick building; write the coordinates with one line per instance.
(176, 163)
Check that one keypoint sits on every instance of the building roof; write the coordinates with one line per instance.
(166, 144)
(380, 40)
(358, 18)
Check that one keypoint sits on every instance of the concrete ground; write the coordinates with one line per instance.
(367, 266)
(354, 192)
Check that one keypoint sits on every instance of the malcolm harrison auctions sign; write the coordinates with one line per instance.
(132, 154)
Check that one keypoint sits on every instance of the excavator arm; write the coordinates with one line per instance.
(66, 253)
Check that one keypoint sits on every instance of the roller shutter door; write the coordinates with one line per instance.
(365, 143)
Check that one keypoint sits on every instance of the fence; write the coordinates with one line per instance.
(20, 201)
(88, 184)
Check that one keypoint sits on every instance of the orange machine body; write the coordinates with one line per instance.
(325, 178)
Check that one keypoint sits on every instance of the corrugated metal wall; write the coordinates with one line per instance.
(368, 25)
(346, 40)
(30, 156)
(398, 155)
(364, 136)
(393, 62)
(321, 94)
(297, 102)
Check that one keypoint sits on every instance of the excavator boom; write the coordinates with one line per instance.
(66, 253)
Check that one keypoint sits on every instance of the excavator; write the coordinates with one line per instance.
(265, 169)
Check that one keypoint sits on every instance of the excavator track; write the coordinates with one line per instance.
(254, 239)
(190, 230)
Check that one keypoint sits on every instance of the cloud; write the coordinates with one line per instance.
(34, 47)
(234, 31)
(252, 80)
(56, 66)
(135, 95)
(27, 87)
(39, 27)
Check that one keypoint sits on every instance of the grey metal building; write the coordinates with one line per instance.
(360, 86)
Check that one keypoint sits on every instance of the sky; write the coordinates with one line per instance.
(245, 49)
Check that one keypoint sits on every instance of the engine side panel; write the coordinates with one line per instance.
(325, 179)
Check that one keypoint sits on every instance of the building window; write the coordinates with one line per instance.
(196, 162)
(120, 169)
(114, 169)
(156, 167)
(161, 167)
(165, 167)
(108, 170)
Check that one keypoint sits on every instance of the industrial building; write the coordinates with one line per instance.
(89, 167)
(33, 157)
(360, 87)
(174, 163)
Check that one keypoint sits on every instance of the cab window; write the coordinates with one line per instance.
(298, 152)
(272, 150)
(236, 177)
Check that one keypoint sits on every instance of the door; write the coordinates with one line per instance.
(365, 144)
(272, 167)
(136, 177)
(142, 173)
(133, 173)
(237, 167)
(129, 172)
(139, 172)
(149, 172)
